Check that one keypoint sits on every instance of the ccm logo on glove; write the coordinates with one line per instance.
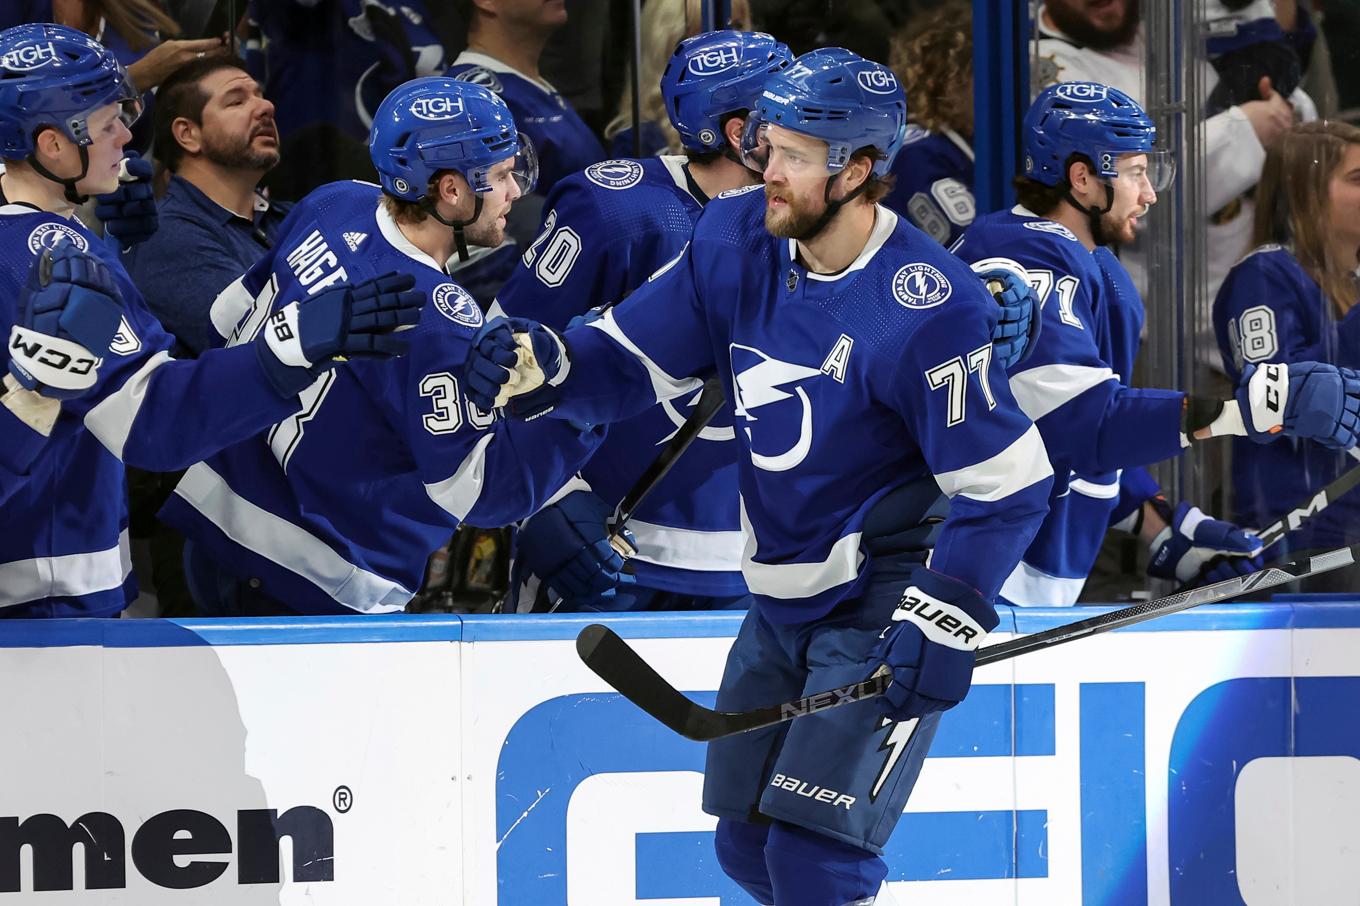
(939, 622)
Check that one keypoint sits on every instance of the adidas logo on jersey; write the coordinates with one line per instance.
(354, 240)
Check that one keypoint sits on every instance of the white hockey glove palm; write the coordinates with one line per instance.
(515, 359)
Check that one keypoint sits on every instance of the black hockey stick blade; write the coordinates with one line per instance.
(1310, 507)
(611, 658)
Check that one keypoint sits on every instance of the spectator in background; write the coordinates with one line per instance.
(933, 56)
(216, 136)
(1294, 299)
(664, 24)
(505, 41)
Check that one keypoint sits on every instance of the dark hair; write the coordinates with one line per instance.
(413, 212)
(876, 188)
(180, 95)
(1043, 199)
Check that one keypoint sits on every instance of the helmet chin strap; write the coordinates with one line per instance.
(459, 240)
(832, 207)
(1092, 214)
(68, 185)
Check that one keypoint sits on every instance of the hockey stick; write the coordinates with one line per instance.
(1307, 509)
(619, 665)
(710, 401)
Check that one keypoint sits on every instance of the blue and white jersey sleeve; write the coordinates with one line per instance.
(1091, 421)
(654, 346)
(934, 187)
(985, 454)
(480, 468)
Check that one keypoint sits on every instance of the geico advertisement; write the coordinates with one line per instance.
(251, 774)
(1196, 768)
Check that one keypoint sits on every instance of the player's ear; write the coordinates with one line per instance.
(857, 171)
(732, 131)
(1079, 175)
(450, 188)
(49, 141)
(187, 133)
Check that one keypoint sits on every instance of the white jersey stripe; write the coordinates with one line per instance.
(1027, 586)
(795, 581)
(68, 575)
(680, 548)
(111, 420)
(1040, 390)
(1015, 468)
(459, 492)
(1093, 489)
(291, 547)
(663, 385)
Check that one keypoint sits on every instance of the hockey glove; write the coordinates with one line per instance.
(1017, 331)
(129, 212)
(1309, 400)
(567, 546)
(930, 645)
(69, 313)
(512, 358)
(307, 337)
(1194, 547)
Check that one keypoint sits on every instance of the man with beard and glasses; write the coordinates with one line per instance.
(1091, 171)
(873, 424)
(215, 134)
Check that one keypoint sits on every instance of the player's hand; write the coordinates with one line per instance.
(567, 546)
(305, 338)
(514, 358)
(931, 645)
(1309, 400)
(69, 313)
(1017, 331)
(129, 212)
(1195, 548)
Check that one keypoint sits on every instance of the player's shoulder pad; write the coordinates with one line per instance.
(1265, 254)
(922, 277)
(478, 75)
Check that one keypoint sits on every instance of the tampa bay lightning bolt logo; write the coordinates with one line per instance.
(615, 174)
(915, 133)
(783, 436)
(1082, 92)
(480, 75)
(456, 304)
(920, 286)
(49, 235)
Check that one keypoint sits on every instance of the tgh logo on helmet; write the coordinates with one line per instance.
(879, 81)
(712, 62)
(437, 108)
(34, 56)
(1083, 92)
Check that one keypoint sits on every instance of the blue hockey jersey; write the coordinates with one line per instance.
(334, 61)
(63, 503)
(846, 387)
(562, 139)
(1075, 387)
(337, 509)
(1270, 310)
(934, 172)
(607, 230)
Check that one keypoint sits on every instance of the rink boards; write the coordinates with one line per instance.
(1208, 759)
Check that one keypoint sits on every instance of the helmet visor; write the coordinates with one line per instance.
(795, 153)
(526, 165)
(1158, 167)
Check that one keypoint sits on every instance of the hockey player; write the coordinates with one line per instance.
(606, 230)
(65, 108)
(337, 509)
(1293, 299)
(1091, 170)
(858, 356)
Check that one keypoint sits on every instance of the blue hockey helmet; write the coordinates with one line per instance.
(436, 123)
(714, 74)
(51, 75)
(837, 96)
(1097, 121)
